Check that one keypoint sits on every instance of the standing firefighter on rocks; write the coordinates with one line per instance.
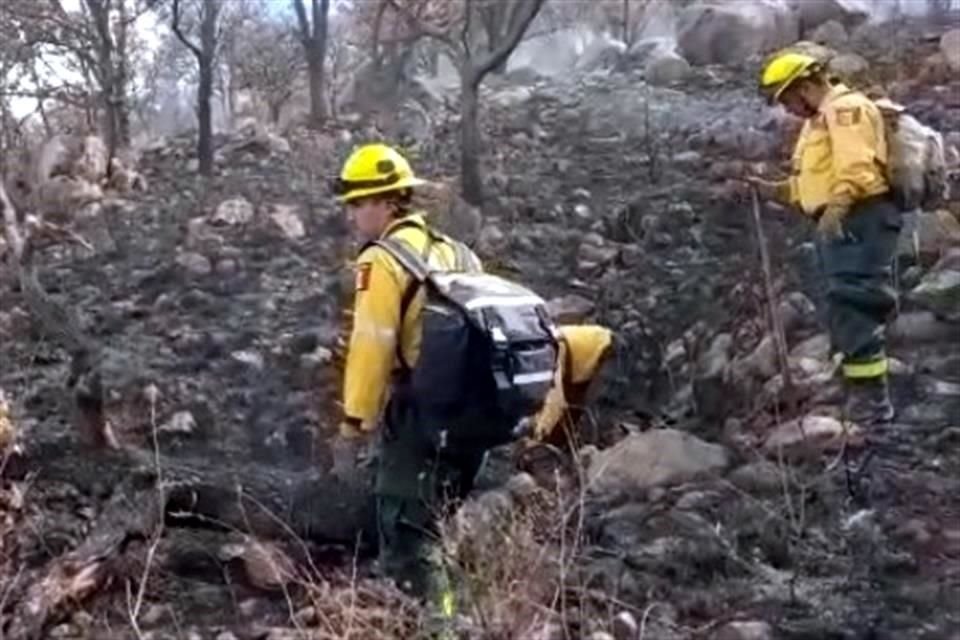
(839, 181)
(444, 358)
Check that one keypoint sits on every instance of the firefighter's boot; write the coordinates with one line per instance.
(868, 401)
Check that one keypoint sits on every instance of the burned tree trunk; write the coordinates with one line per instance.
(505, 26)
(206, 57)
(313, 36)
(470, 143)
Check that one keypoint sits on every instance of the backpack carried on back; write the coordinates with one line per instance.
(488, 352)
(917, 167)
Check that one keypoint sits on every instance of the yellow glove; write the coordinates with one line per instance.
(352, 454)
(350, 429)
(830, 225)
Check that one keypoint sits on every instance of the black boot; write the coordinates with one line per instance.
(868, 401)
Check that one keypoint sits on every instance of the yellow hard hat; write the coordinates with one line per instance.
(372, 169)
(783, 69)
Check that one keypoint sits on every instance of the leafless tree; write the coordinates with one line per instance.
(206, 54)
(92, 41)
(504, 23)
(269, 61)
(313, 37)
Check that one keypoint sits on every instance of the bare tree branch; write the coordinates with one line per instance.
(175, 25)
(524, 13)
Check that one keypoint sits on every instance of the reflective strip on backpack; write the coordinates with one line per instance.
(503, 301)
(533, 377)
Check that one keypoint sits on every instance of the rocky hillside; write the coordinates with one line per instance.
(720, 503)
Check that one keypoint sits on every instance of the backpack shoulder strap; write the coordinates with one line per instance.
(465, 258)
(403, 253)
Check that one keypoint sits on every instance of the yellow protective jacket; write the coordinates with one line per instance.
(582, 350)
(841, 153)
(377, 326)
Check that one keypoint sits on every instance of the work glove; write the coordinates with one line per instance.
(351, 456)
(776, 190)
(830, 225)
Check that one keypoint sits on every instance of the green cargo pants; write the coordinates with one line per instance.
(415, 486)
(860, 296)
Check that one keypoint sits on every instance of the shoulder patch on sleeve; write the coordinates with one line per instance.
(363, 276)
(848, 116)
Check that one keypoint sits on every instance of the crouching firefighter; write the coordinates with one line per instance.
(839, 181)
(443, 360)
(584, 358)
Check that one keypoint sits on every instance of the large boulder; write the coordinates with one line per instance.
(950, 48)
(602, 53)
(666, 68)
(713, 32)
(654, 458)
(939, 292)
(830, 33)
(813, 13)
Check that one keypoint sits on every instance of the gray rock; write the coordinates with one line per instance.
(287, 221)
(950, 48)
(744, 631)
(666, 69)
(713, 32)
(758, 478)
(602, 53)
(848, 65)
(654, 458)
(830, 33)
(195, 263)
(236, 211)
(811, 435)
(939, 292)
(492, 240)
(918, 327)
(182, 422)
(625, 626)
(570, 309)
(813, 13)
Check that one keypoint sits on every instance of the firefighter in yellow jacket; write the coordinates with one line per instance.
(838, 180)
(412, 481)
(584, 350)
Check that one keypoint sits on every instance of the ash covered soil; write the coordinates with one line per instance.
(223, 330)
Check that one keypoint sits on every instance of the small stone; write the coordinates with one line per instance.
(249, 607)
(181, 422)
(744, 631)
(307, 615)
(550, 631)
(153, 615)
(914, 530)
(194, 635)
(811, 435)
(625, 626)
(287, 221)
(63, 631)
(758, 478)
(226, 635)
(251, 358)
(601, 635)
(235, 211)
(226, 266)
(195, 263)
(492, 240)
(582, 211)
(571, 308)
(82, 619)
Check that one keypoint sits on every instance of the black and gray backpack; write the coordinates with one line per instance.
(488, 353)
